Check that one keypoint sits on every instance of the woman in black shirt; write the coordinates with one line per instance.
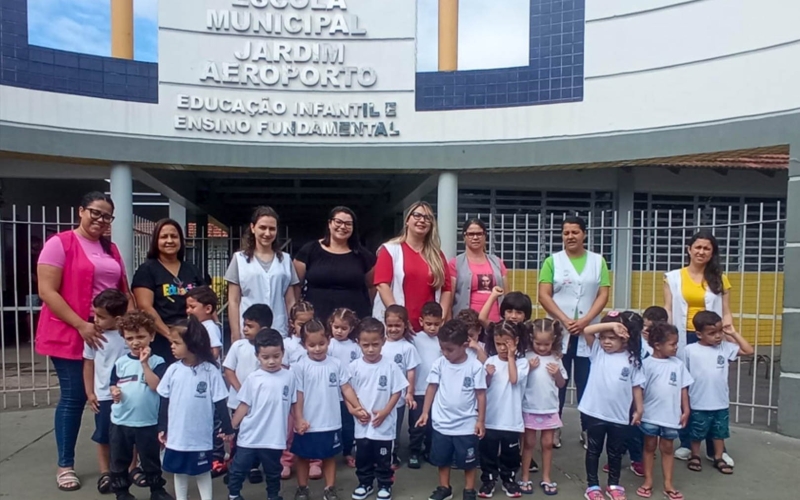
(337, 270)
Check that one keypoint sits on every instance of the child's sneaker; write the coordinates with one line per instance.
(395, 462)
(329, 494)
(683, 454)
(161, 495)
(302, 493)
(534, 467)
(414, 461)
(638, 468)
(255, 476)
(593, 493)
(511, 489)
(362, 492)
(385, 493)
(616, 493)
(486, 491)
(442, 493)
(605, 468)
(470, 495)
(218, 468)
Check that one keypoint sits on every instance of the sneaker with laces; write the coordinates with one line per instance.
(511, 489)
(725, 457)
(441, 493)
(616, 493)
(593, 493)
(414, 462)
(637, 468)
(486, 490)
(302, 493)
(362, 492)
(534, 466)
(329, 494)
(683, 454)
(470, 495)
(385, 493)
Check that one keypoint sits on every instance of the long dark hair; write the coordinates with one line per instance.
(353, 241)
(87, 200)
(197, 341)
(518, 331)
(712, 274)
(634, 324)
(249, 239)
(153, 253)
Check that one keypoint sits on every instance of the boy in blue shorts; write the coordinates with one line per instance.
(456, 401)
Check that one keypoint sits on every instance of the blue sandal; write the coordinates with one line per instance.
(526, 487)
(549, 489)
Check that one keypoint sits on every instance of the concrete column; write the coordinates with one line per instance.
(122, 29)
(448, 35)
(789, 388)
(447, 212)
(177, 212)
(122, 229)
(622, 263)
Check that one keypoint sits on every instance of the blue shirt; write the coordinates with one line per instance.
(139, 405)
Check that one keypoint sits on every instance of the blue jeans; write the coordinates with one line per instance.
(244, 460)
(70, 408)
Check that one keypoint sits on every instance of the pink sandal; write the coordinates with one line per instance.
(616, 493)
(644, 492)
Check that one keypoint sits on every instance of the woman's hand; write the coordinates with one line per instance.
(92, 335)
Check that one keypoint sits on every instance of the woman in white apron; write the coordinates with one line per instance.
(261, 274)
(573, 289)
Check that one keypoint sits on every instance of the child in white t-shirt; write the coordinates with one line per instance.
(477, 343)
(201, 302)
(506, 372)
(107, 307)
(342, 327)
(378, 383)
(266, 397)
(400, 349)
(427, 344)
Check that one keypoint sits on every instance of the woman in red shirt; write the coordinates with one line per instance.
(411, 269)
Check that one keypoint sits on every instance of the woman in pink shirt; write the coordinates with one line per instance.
(73, 268)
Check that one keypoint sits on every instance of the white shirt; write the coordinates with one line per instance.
(192, 392)
(293, 350)
(375, 383)
(242, 359)
(346, 351)
(320, 383)
(647, 351)
(541, 391)
(709, 368)
(429, 351)
(405, 355)
(104, 359)
(664, 380)
(455, 407)
(609, 391)
(214, 334)
(504, 399)
(270, 397)
(473, 354)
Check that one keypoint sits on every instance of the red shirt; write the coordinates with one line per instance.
(417, 282)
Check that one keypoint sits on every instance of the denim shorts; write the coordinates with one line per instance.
(653, 430)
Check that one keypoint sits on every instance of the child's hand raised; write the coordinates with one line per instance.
(473, 344)
(144, 354)
(552, 369)
(497, 291)
(410, 402)
(490, 370)
(620, 331)
(534, 362)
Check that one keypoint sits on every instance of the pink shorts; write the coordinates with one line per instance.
(541, 421)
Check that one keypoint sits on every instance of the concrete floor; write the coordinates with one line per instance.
(766, 467)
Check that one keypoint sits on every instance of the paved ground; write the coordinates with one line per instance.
(766, 467)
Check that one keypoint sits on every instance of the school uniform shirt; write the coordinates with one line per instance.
(647, 351)
(293, 350)
(664, 379)
(455, 407)
(192, 392)
(346, 351)
(429, 351)
(269, 397)
(709, 368)
(374, 384)
(241, 358)
(609, 391)
(504, 399)
(104, 359)
(405, 355)
(321, 382)
(214, 334)
(139, 404)
(541, 392)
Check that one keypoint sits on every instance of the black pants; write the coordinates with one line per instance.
(401, 413)
(374, 461)
(348, 430)
(122, 442)
(218, 452)
(581, 375)
(597, 431)
(499, 456)
(243, 462)
(419, 438)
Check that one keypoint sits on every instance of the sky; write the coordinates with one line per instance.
(85, 26)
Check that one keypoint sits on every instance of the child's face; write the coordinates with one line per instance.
(103, 320)
(137, 340)
(340, 329)
(250, 328)
(371, 344)
(198, 310)
(668, 348)
(178, 346)
(317, 346)
(395, 327)
(711, 335)
(611, 343)
(514, 316)
(646, 329)
(270, 358)
(300, 320)
(431, 325)
(454, 353)
(501, 344)
(474, 333)
(543, 343)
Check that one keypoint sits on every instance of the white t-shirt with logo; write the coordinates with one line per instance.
(709, 368)
(242, 359)
(346, 351)
(104, 359)
(664, 380)
(320, 382)
(429, 351)
(405, 356)
(504, 399)
(192, 392)
(270, 397)
(293, 350)
(541, 391)
(609, 391)
(455, 407)
(375, 383)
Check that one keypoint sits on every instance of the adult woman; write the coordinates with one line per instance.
(411, 269)
(699, 286)
(73, 268)
(161, 282)
(475, 274)
(337, 270)
(261, 274)
(573, 288)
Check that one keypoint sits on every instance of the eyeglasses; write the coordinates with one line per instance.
(98, 215)
(340, 222)
(474, 236)
(420, 216)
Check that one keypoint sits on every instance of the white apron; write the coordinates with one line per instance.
(259, 287)
(573, 291)
(680, 308)
(378, 307)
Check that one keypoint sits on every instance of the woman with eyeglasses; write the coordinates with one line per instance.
(411, 268)
(336, 269)
(160, 284)
(74, 267)
(475, 273)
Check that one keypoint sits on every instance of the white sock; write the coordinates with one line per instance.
(205, 486)
(181, 487)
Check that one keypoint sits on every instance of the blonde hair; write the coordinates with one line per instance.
(432, 246)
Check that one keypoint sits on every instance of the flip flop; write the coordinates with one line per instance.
(674, 495)
(645, 492)
(526, 487)
(549, 489)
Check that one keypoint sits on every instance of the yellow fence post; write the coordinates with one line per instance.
(122, 29)
(448, 35)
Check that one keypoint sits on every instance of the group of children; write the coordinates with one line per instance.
(477, 394)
